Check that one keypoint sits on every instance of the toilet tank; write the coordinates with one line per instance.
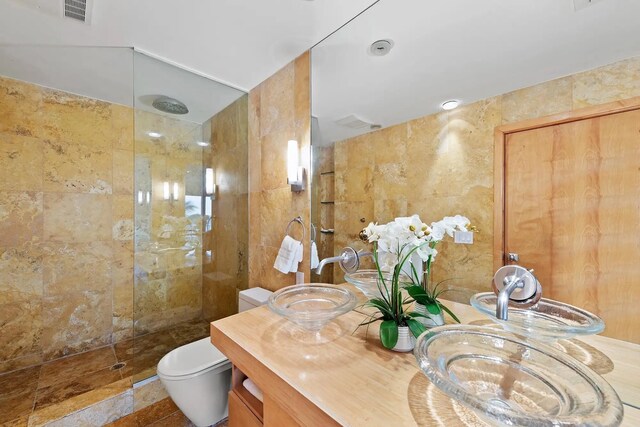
(252, 297)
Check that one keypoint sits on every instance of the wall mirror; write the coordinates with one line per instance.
(383, 146)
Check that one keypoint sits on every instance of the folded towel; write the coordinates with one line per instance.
(287, 255)
(253, 388)
(314, 255)
(298, 258)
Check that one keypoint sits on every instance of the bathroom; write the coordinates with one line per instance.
(126, 229)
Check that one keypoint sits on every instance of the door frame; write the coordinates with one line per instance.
(500, 137)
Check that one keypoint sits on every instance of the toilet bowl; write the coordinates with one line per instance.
(197, 375)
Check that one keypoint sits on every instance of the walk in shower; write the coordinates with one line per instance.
(123, 220)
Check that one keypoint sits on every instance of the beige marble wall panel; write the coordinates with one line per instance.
(77, 217)
(221, 298)
(21, 218)
(389, 145)
(71, 118)
(20, 107)
(277, 112)
(274, 160)
(275, 209)
(123, 171)
(388, 210)
(612, 82)
(555, 96)
(21, 163)
(122, 126)
(71, 267)
(76, 322)
(122, 283)
(77, 168)
(389, 181)
(122, 217)
(22, 324)
(21, 276)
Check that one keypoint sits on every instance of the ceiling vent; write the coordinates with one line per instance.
(80, 10)
(353, 122)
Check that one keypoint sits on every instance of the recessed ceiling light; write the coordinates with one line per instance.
(202, 143)
(450, 105)
(154, 134)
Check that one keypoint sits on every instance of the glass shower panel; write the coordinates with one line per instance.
(184, 133)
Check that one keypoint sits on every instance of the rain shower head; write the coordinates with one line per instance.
(169, 105)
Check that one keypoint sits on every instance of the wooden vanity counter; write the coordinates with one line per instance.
(338, 377)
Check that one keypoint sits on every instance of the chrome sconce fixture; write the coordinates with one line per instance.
(295, 172)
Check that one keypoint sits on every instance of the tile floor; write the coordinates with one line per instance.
(28, 390)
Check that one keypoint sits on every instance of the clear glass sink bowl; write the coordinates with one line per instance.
(367, 281)
(311, 306)
(508, 381)
(548, 320)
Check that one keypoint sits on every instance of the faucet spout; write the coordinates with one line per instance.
(511, 283)
(326, 261)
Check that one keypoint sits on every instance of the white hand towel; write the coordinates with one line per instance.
(253, 388)
(286, 255)
(314, 255)
(298, 257)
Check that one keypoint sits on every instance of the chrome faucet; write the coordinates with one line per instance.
(515, 284)
(349, 260)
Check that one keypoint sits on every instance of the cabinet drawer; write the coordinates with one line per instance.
(239, 414)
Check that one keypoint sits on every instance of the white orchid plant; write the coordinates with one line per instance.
(395, 244)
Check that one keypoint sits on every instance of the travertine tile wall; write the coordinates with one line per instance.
(279, 110)
(66, 223)
(442, 164)
(226, 272)
(168, 275)
(322, 208)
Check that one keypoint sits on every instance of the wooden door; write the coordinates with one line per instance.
(572, 212)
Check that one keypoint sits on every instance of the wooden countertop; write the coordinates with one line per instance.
(355, 381)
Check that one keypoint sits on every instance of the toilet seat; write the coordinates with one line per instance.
(192, 359)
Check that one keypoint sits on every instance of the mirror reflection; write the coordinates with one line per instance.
(387, 144)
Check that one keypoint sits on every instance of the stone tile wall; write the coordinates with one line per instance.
(279, 110)
(442, 164)
(66, 223)
(226, 271)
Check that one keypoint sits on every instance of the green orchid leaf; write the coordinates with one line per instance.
(449, 312)
(389, 333)
(415, 314)
(433, 308)
(415, 327)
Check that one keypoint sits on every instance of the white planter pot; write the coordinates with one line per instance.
(406, 340)
(431, 320)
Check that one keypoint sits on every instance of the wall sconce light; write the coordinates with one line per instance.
(176, 191)
(295, 172)
(210, 183)
(165, 190)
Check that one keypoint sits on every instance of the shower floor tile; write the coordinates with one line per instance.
(18, 394)
(79, 365)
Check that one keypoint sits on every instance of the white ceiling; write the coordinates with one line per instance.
(459, 49)
(239, 42)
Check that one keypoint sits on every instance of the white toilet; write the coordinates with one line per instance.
(197, 375)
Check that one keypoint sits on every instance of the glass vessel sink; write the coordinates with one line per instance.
(509, 381)
(548, 320)
(367, 281)
(311, 306)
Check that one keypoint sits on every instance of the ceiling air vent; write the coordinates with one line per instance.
(353, 122)
(79, 10)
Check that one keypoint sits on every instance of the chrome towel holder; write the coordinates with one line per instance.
(299, 221)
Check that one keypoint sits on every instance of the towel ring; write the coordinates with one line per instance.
(299, 221)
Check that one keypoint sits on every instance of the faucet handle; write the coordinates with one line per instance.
(529, 290)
